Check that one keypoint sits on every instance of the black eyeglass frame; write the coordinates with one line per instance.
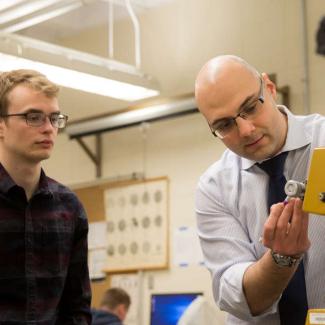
(241, 113)
(59, 116)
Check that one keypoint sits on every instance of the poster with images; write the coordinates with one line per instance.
(137, 226)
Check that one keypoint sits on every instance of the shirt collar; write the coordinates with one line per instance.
(6, 183)
(297, 137)
(44, 186)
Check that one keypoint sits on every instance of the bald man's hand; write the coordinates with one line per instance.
(286, 233)
(286, 229)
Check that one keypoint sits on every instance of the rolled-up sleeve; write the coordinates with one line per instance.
(226, 245)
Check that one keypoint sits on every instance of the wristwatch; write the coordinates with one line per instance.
(283, 260)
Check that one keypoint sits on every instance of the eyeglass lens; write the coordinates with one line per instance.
(227, 125)
(39, 118)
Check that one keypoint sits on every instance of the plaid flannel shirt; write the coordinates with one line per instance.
(44, 276)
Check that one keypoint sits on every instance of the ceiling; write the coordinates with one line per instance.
(73, 16)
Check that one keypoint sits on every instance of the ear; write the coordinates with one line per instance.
(2, 126)
(269, 85)
(121, 311)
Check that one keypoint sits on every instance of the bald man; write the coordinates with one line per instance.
(254, 253)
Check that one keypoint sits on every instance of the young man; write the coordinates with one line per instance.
(255, 256)
(43, 243)
(113, 308)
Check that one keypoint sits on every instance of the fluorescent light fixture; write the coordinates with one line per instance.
(78, 80)
(75, 69)
(40, 18)
(5, 4)
(146, 113)
(25, 10)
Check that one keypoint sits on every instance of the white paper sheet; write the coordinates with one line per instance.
(187, 250)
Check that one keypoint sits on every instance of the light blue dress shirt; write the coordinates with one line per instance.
(231, 208)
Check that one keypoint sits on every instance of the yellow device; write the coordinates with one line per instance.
(314, 200)
(312, 192)
(315, 317)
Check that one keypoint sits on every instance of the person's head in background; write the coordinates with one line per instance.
(29, 115)
(116, 301)
(239, 105)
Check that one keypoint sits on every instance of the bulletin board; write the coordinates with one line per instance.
(135, 217)
(137, 226)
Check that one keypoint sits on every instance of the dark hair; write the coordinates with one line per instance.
(30, 78)
(114, 297)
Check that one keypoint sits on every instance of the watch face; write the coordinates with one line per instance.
(284, 260)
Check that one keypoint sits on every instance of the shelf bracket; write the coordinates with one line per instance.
(96, 157)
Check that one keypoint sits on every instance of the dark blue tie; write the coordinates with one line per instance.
(293, 305)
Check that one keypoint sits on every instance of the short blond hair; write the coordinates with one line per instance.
(31, 78)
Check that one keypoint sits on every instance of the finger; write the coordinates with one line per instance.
(283, 225)
(297, 219)
(299, 229)
(271, 223)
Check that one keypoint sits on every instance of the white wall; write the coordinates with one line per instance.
(316, 66)
(177, 39)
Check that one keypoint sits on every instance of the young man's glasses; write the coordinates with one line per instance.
(39, 118)
(225, 126)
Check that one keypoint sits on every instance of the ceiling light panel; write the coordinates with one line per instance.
(79, 80)
(25, 10)
(41, 18)
(5, 4)
(75, 69)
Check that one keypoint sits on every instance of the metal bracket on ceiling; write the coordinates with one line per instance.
(137, 115)
(28, 14)
(136, 27)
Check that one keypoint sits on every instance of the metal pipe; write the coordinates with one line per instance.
(136, 27)
(110, 29)
(305, 58)
(99, 155)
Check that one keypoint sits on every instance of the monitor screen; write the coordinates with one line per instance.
(166, 309)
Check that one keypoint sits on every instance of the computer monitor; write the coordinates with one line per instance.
(167, 308)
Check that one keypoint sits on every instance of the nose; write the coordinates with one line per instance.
(47, 125)
(245, 127)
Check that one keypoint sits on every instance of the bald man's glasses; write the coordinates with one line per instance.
(226, 126)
